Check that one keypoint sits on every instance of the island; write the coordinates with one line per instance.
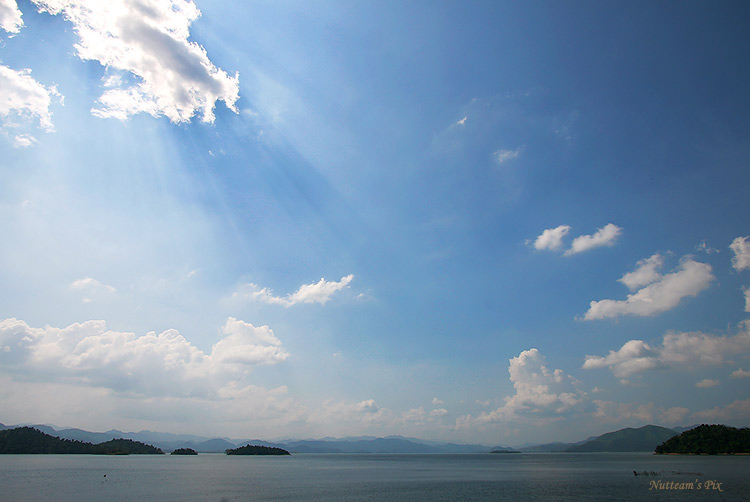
(708, 440)
(27, 440)
(256, 450)
(184, 451)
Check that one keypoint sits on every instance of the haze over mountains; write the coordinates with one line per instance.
(641, 439)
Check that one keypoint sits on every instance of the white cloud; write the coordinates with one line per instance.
(741, 248)
(734, 412)
(440, 412)
(611, 412)
(740, 373)
(436, 401)
(674, 415)
(707, 383)
(664, 294)
(502, 156)
(646, 272)
(540, 393)
(633, 357)
(90, 287)
(152, 65)
(605, 236)
(551, 238)
(24, 103)
(319, 292)
(150, 365)
(462, 121)
(10, 16)
(746, 293)
(24, 141)
(677, 350)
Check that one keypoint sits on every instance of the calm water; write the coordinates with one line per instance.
(499, 477)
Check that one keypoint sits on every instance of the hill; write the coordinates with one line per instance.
(256, 450)
(708, 439)
(645, 438)
(28, 440)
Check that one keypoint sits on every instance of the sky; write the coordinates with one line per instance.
(483, 222)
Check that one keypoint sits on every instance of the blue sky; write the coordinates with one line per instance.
(495, 222)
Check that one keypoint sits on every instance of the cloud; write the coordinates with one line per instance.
(24, 103)
(633, 357)
(540, 393)
(674, 415)
(677, 350)
(734, 412)
(440, 412)
(246, 344)
(605, 236)
(436, 401)
(608, 411)
(91, 287)
(707, 383)
(10, 16)
(746, 293)
(319, 292)
(164, 364)
(663, 294)
(646, 272)
(503, 156)
(152, 66)
(462, 121)
(551, 238)
(740, 373)
(741, 248)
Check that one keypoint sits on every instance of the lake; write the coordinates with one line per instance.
(342, 477)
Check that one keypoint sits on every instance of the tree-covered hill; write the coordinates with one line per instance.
(27, 440)
(641, 439)
(256, 450)
(184, 451)
(708, 439)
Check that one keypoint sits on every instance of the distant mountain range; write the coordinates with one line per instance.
(642, 439)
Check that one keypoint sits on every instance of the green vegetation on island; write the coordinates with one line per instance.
(184, 451)
(27, 440)
(708, 440)
(256, 450)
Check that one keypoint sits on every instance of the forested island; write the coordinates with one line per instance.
(184, 451)
(27, 440)
(708, 440)
(256, 450)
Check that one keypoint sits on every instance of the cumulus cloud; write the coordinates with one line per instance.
(611, 412)
(551, 238)
(502, 156)
(540, 393)
(741, 248)
(152, 66)
(734, 412)
(677, 350)
(746, 293)
(707, 383)
(633, 357)
(605, 236)
(437, 401)
(318, 292)
(164, 364)
(90, 287)
(24, 103)
(10, 16)
(646, 272)
(740, 373)
(663, 294)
